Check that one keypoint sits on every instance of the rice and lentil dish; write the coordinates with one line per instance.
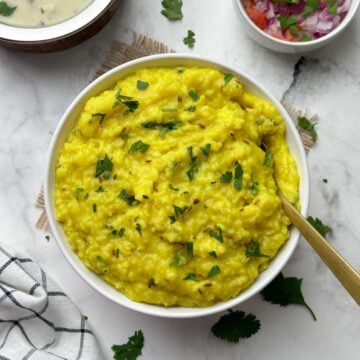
(165, 187)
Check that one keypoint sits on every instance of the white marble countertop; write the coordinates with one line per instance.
(36, 89)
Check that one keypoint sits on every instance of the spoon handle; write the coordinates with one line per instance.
(343, 271)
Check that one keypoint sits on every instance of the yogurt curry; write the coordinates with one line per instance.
(165, 187)
(37, 13)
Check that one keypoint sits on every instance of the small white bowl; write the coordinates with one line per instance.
(68, 122)
(62, 35)
(290, 47)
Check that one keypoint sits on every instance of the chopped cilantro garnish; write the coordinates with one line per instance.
(149, 125)
(172, 9)
(77, 193)
(322, 228)
(308, 126)
(104, 167)
(128, 101)
(172, 219)
(189, 249)
(138, 229)
(150, 283)
(178, 260)
(86, 196)
(191, 108)
(100, 189)
(254, 187)
(226, 177)
(194, 168)
(205, 150)
(194, 95)
(285, 291)
(142, 85)
(218, 235)
(94, 207)
(121, 232)
(213, 253)
(190, 276)
(132, 349)
(173, 188)
(227, 78)
(310, 7)
(169, 110)
(128, 198)
(214, 271)
(100, 115)
(5, 9)
(117, 253)
(169, 126)
(138, 146)
(189, 40)
(268, 158)
(332, 7)
(179, 211)
(238, 176)
(253, 250)
(235, 326)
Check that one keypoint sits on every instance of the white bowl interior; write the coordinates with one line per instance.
(66, 125)
(81, 19)
(288, 46)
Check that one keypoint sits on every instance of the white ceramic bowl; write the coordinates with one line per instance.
(66, 125)
(272, 43)
(62, 35)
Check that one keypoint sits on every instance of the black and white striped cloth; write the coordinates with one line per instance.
(37, 320)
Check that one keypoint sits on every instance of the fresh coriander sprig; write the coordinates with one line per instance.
(236, 325)
(253, 250)
(138, 146)
(308, 126)
(322, 228)
(6, 10)
(285, 291)
(189, 40)
(104, 167)
(172, 9)
(132, 349)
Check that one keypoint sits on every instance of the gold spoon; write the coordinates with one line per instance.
(343, 271)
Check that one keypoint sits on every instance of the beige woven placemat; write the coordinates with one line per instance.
(142, 45)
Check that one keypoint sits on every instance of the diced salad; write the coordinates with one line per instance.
(297, 20)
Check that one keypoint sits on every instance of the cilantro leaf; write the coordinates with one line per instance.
(227, 78)
(169, 126)
(191, 108)
(205, 150)
(77, 193)
(308, 126)
(142, 85)
(217, 235)
(168, 110)
(235, 326)
(172, 9)
(332, 7)
(190, 276)
(173, 188)
(94, 207)
(285, 291)
(253, 249)
(189, 249)
(194, 95)
(150, 283)
(100, 115)
(138, 146)
(179, 211)
(214, 271)
(311, 6)
(128, 101)
(226, 177)
(5, 9)
(213, 253)
(128, 198)
(238, 176)
(268, 158)
(138, 229)
(100, 189)
(322, 228)
(254, 187)
(178, 260)
(104, 167)
(194, 165)
(189, 40)
(132, 349)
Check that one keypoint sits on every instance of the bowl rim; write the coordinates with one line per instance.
(28, 35)
(298, 44)
(155, 310)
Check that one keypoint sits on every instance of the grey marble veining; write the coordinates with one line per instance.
(36, 89)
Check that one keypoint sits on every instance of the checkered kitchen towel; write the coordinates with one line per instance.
(37, 320)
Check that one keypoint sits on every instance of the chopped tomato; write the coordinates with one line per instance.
(258, 17)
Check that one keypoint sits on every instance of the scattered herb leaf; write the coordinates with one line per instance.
(138, 146)
(168, 110)
(150, 283)
(128, 198)
(205, 150)
(268, 158)
(128, 101)
(238, 176)
(227, 78)
(190, 276)
(142, 85)
(132, 349)
(217, 235)
(194, 95)
(100, 115)
(308, 126)
(178, 260)
(77, 193)
(172, 9)
(235, 326)
(100, 189)
(94, 207)
(189, 249)
(5, 9)
(253, 249)
(138, 229)
(226, 177)
(191, 108)
(189, 40)
(213, 253)
(254, 187)
(322, 228)
(104, 167)
(214, 271)
(173, 188)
